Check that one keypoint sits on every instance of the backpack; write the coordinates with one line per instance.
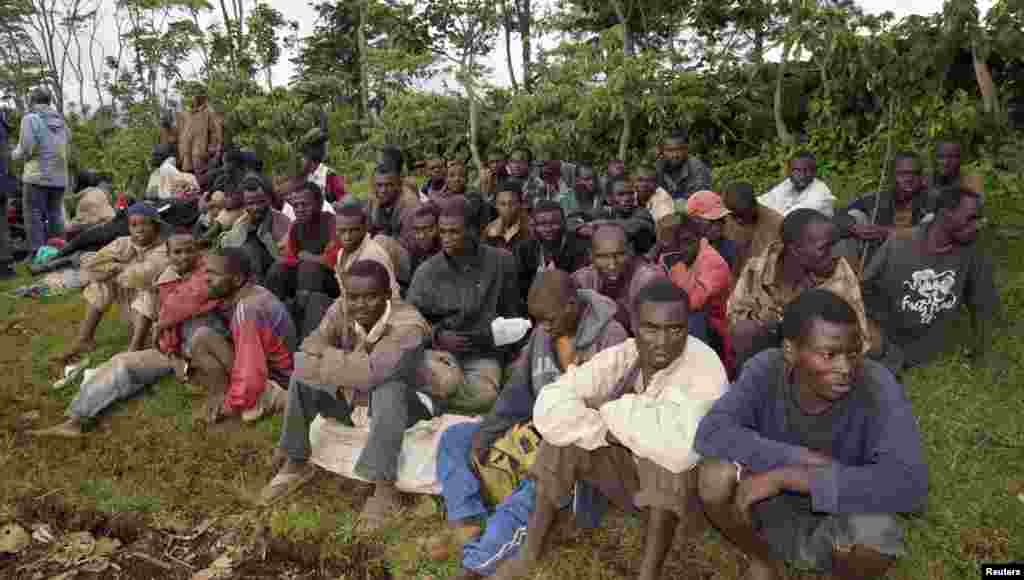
(508, 462)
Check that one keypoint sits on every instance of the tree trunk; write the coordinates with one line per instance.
(989, 95)
(507, 17)
(364, 67)
(627, 109)
(468, 81)
(525, 20)
(785, 137)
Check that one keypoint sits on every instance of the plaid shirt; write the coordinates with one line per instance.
(759, 296)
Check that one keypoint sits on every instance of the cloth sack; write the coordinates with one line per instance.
(336, 448)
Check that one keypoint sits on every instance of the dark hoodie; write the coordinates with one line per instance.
(537, 365)
(44, 147)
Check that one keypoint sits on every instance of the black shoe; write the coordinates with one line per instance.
(6, 272)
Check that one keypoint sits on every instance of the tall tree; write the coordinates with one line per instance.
(468, 29)
(265, 27)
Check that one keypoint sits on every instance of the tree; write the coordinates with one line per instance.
(468, 29)
(21, 65)
(265, 25)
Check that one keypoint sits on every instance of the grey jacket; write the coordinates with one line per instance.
(44, 147)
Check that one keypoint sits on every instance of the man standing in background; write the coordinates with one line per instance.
(44, 144)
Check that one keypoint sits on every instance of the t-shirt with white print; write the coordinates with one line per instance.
(914, 296)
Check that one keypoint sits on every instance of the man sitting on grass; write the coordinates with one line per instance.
(615, 272)
(915, 285)
(121, 273)
(625, 423)
(365, 352)
(461, 291)
(243, 372)
(184, 308)
(572, 326)
(813, 451)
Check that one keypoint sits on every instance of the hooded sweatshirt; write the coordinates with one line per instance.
(537, 365)
(44, 147)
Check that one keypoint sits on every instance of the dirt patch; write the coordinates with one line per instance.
(985, 544)
(67, 539)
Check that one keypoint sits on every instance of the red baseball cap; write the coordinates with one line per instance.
(707, 205)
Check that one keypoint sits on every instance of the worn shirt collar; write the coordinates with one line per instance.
(377, 332)
(773, 260)
(469, 260)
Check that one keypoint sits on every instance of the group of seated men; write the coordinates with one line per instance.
(694, 355)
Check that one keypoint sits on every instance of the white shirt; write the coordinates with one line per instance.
(784, 198)
(318, 177)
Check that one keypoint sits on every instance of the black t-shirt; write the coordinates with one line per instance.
(914, 296)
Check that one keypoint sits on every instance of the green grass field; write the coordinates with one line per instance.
(149, 456)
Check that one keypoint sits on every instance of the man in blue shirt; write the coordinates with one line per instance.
(813, 451)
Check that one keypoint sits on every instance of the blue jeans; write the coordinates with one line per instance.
(459, 484)
(43, 209)
(505, 530)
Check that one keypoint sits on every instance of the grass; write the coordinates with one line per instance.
(147, 455)
(110, 499)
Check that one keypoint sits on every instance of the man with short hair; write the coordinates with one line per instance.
(678, 172)
(802, 189)
(622, 209)
(122, 272)
(461, 291)
(364, 353)
(519, 168)
(809, 456)
(873, 218)
(709, 214)
(479, 211)
(615, 271)
(625, 422)
(947, 174)
(915, 285)
(650, 196)
(750, 225)
(434, 186)
(304, 275)
(45, 141)
(353, 243)
(419, 240)
(557, 177)
(694, 265)
(243, 373)
(512, 224)
(550, 247)
(183, 306)
(573, 326)
(390, 199)
(802, 260)
(261, 231)
(585, 190)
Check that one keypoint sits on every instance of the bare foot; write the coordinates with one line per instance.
(450, 542)
(77, 349)
(70, 429)
(382, 505)
(515, 568)
(760, 570)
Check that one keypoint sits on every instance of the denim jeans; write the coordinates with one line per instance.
(505, 531)
(43, 209)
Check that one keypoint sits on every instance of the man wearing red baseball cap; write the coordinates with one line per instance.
(709, 212)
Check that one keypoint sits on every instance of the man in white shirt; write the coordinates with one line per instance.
(801, 189)
(625, 423)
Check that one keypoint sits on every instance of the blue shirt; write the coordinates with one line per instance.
(878, 462)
